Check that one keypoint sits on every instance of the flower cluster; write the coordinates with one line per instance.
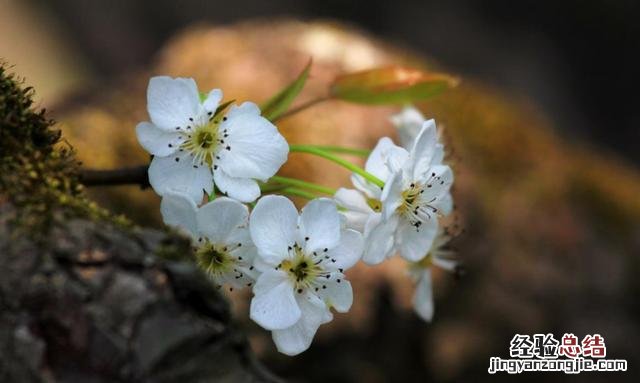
(212, 160)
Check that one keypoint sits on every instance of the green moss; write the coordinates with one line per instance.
(39, 174)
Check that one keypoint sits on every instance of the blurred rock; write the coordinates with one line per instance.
(551, 224)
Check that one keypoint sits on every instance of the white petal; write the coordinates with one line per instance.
(392, 195)
(424, 148)
(440, 177)
(395, 159)
(212, 101)
(414, 243)
(246, 109)
(353, 200)
(445, 264)
(338, 295)
(273, 226)
(242, 189)
(171, 102)
(274, 306)
(179, 210)
(408, 122)
(357, 210)
(167, 175)
(366, 187)
(377, 161)
(349, 250)
(298, 338)
(156, 141)
(256, 148)
(438, 155)
(423, 297)
(320, 224)
(445, 204)
(379, 239)
(220, 217)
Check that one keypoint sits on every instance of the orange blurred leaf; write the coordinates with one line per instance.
(390, 85)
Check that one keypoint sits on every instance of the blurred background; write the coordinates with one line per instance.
(543, 136)
(577, 59)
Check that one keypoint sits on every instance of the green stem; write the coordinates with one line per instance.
(302, 107)
(340, 161)
(343, 150)
(298, 193)
(303, 184)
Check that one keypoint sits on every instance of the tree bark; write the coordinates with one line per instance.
(94, 303)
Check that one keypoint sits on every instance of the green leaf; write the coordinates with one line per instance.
(279, 103)
(390, 85)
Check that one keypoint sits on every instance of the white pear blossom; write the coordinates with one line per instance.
(302, 259)
(409, 123)
(220, 235)
(362, 204)
(194, 147)
(404, 216)
(416, 193)
(413, 198)
(439, 255)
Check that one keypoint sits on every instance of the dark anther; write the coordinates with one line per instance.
(299, 291)
(177, 159)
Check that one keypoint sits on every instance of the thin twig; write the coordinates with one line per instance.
(136, 175)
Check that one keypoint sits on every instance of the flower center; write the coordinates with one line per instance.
(306, 271)
(414, 207)
(214, 259)
(204, 141)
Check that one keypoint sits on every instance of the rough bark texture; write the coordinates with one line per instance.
(96, 305)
